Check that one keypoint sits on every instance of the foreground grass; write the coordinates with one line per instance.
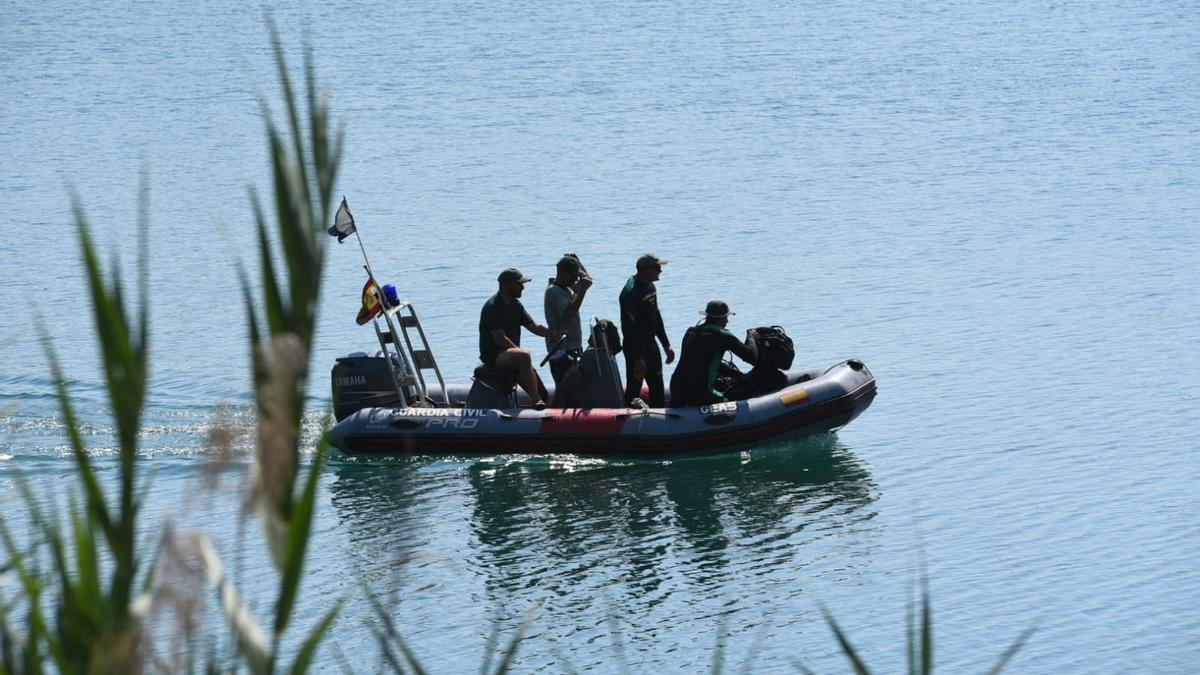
(87, 610)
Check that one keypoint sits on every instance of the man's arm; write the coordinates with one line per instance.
(537, 328)
(745, 351)
(501, 339)
(662, 336)
(629, 339)
(581, 290)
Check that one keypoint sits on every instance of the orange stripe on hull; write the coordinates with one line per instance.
(794, 399)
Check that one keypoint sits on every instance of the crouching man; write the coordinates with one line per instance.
(703, 349)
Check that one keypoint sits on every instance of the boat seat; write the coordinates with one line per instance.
(493, 388)
(495, 378)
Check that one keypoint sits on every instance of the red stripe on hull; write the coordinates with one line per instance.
(596, 421)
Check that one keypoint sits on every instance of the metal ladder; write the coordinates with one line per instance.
(415, 361)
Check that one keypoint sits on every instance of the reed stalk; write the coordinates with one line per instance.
(85, 610)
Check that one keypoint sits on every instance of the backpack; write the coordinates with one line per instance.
(775, 349)
(612, 335)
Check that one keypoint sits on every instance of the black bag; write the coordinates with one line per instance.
(775, 349)
(775, 355)
(759, 381)
(612, 336)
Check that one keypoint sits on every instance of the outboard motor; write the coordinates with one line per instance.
(361, 381)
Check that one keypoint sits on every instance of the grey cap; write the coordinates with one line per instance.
(513, 274)
(717, 309)
(650, 260)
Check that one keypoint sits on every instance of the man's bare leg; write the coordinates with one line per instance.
(520, 362)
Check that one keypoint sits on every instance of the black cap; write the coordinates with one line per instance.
(513, 274)
(717, 309)
(650, 260)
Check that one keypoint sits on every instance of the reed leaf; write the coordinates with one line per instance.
(1012, 650)
(83, 463)
(124, 353)
(95, 630)
(297, 543)
(919, 633)
(87, 559)
(848, 650)
(718, 661)
(926, 661)
(309, 648)
(291, 264)
(388, 636)
(272, 299)
(17, 655)
(910, 632)
(249, 637)
(385, 651)
(510, 652)
(289, 97)
(489, 648)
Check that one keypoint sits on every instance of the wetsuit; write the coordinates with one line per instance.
(641, 324)
(703, 348)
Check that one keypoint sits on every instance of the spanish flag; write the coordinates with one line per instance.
(370, 302)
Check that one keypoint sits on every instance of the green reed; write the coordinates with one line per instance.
(918, 639)
(92, 584)
(85, 591)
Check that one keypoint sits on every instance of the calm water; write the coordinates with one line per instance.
(993, 205)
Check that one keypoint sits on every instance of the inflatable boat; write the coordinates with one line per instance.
(396, 401)
(813, 402)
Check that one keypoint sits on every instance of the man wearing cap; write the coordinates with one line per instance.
(564, 295)
(500, 323)
(641, 324)
(703, 349)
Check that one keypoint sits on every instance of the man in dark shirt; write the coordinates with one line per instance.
(702, 350)
(641, 323)
(500, 323)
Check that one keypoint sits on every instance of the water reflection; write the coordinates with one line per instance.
(663, 541)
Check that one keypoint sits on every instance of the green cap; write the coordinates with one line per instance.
(513, 274)
(717, 309)
(569, 263)
(650, 260)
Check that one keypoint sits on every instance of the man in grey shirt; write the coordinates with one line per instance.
(564, 295)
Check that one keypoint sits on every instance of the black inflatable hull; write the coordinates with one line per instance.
(817, 402)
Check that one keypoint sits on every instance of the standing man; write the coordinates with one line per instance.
(703, 350)
(564, 296)
(641, 324)
(500, 323)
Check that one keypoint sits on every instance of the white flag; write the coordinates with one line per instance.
(343, 222)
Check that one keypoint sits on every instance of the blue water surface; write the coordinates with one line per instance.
(993, 204)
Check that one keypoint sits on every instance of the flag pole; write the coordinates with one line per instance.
(357, 237)
(408, 360)
(367, 260)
